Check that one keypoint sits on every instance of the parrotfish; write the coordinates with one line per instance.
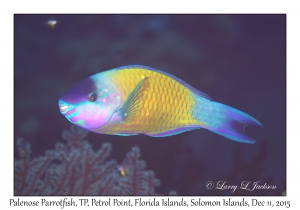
(137, 99)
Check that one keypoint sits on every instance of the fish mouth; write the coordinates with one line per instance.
(63, 106)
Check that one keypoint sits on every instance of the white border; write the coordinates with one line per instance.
(8, 8)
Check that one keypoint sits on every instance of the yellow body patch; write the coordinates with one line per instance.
(166, 104)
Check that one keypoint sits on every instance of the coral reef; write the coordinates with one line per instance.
(75, 168)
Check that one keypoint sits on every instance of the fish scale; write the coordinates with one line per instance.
(161, 112)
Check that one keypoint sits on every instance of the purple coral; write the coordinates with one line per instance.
(76, 169)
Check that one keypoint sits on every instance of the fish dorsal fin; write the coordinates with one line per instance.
(135, 100)
(198, 92)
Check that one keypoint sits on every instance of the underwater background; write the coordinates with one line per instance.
(238, 60)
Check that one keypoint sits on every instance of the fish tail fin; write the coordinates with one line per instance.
(232, 124)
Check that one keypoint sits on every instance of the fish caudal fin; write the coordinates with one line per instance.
(233, 124)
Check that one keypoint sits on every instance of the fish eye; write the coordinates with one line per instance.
(93, 97)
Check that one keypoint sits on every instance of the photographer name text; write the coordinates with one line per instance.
(245, 185)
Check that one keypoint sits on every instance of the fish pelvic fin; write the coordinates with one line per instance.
(135, 100)
(233, 124)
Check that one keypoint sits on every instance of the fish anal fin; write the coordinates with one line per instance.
(175, 131)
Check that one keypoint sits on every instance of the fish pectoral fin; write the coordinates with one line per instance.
(135, 101)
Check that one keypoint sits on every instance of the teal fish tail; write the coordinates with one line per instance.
(231, 123)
